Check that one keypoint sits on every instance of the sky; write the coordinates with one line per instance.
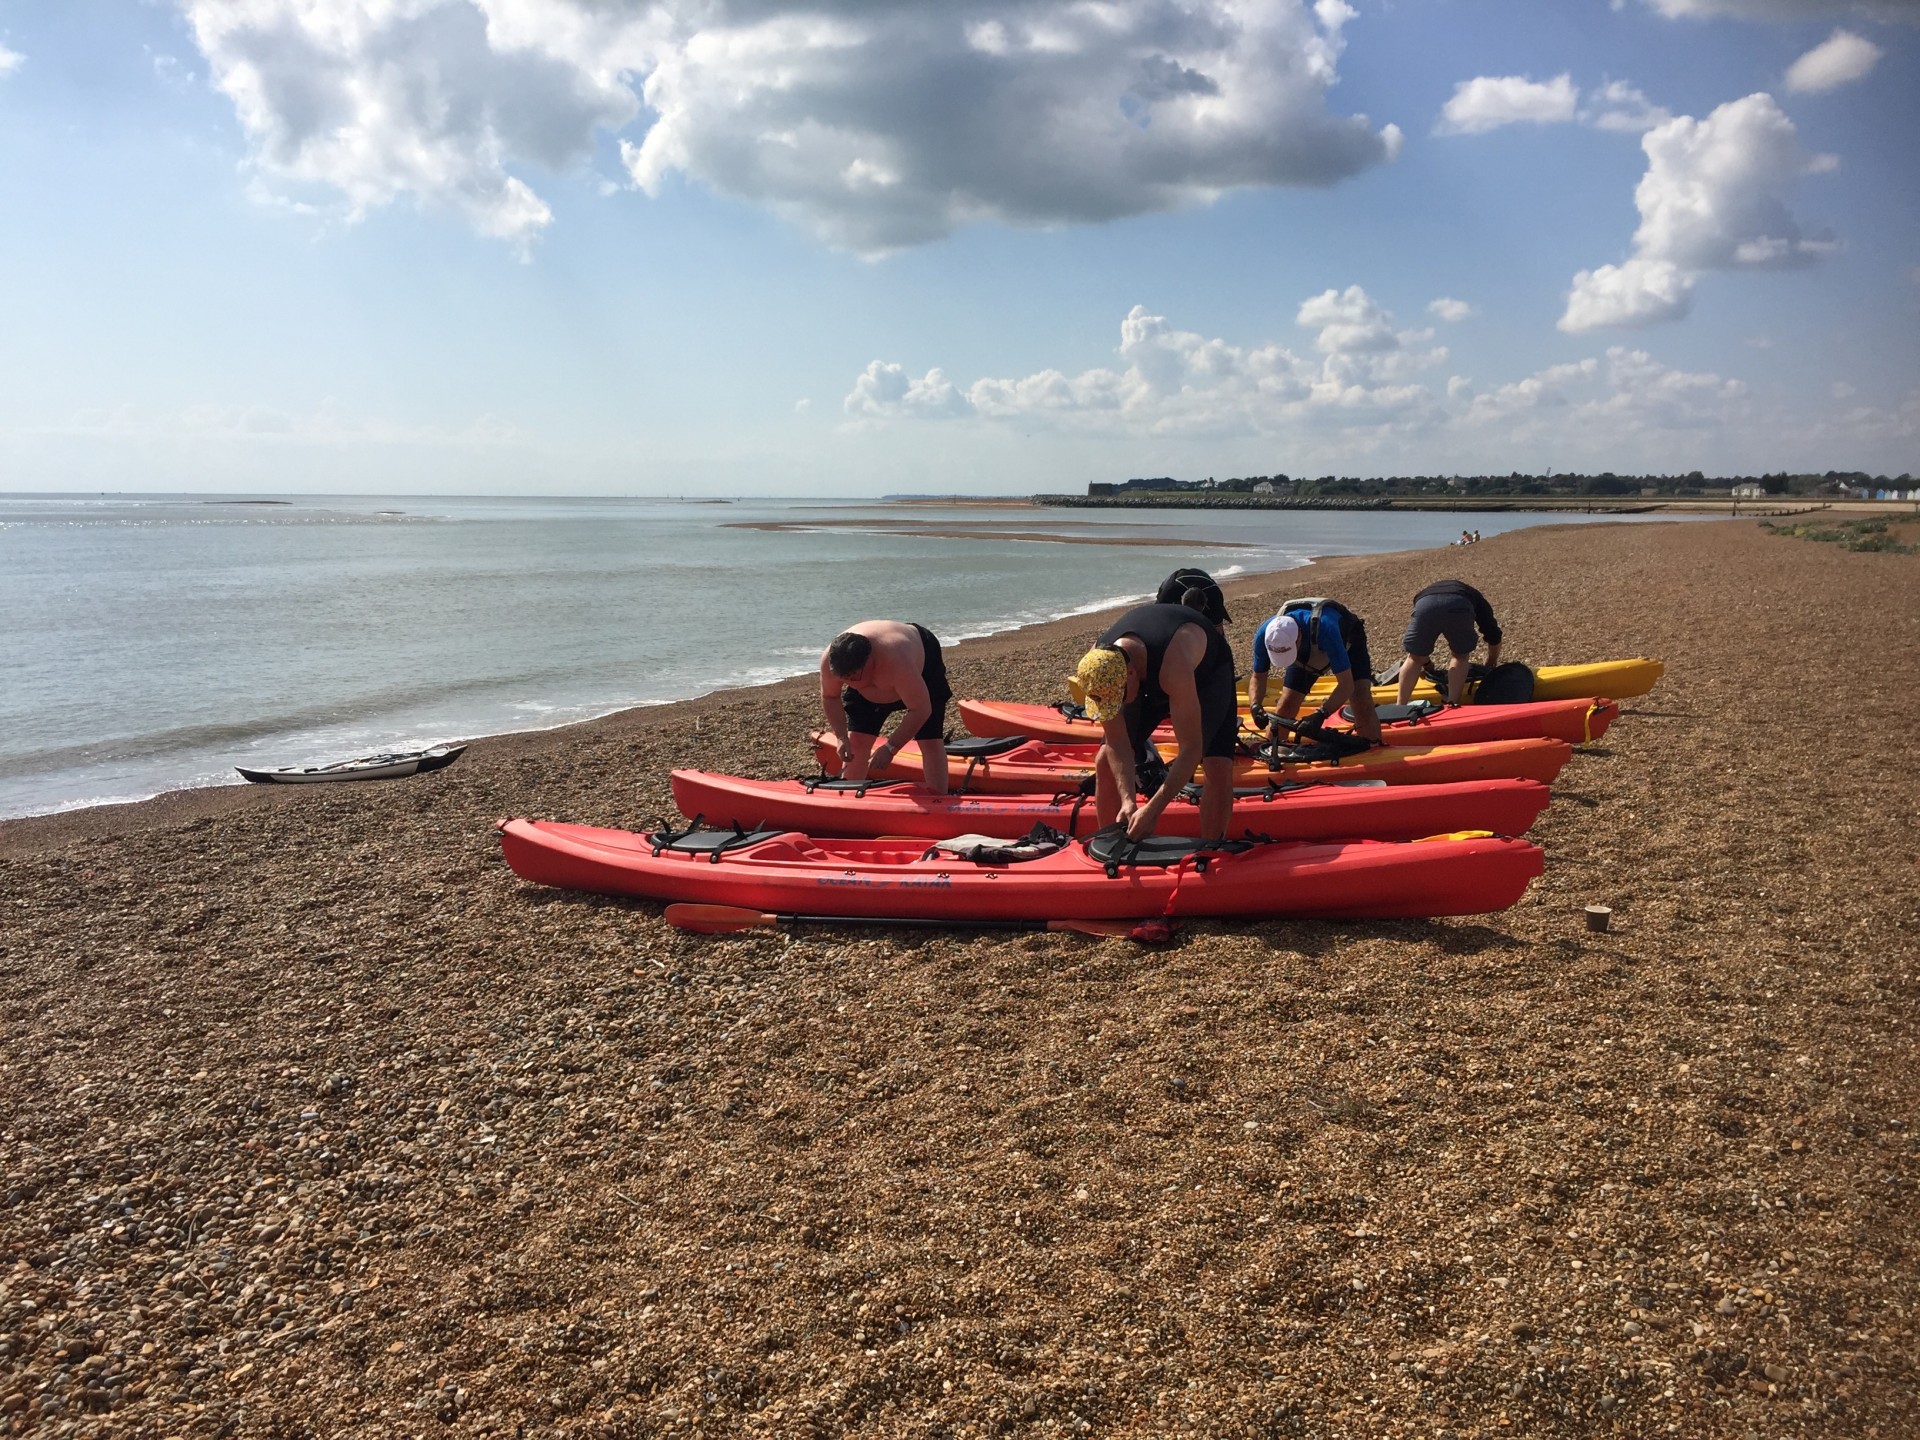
(863, 247)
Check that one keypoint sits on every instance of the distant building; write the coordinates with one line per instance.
(1264, 487)
(1103, 487)
(1752, 490)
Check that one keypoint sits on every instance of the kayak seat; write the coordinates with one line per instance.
(858, 787)
(1113, 849)
(1394, 714)
(710, 843)
(1250, 792)
(976, 749)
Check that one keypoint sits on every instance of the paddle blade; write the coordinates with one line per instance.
(1093, 927)
(718, 919)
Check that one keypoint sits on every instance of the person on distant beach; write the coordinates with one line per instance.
(1466, 537)
(1304, 640)
(1476, 535)
(1161, 663)
(1450, 608)
(876, 669)
(1197, 590)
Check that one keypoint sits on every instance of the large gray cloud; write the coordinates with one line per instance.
(873, 123)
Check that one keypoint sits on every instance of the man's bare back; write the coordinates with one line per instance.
(896, 662)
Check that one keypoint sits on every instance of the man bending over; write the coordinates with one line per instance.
(880, 668)
(1451, 608)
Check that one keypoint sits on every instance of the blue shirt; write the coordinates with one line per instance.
(1330, 641)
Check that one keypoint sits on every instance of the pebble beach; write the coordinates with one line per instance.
(316, 1121)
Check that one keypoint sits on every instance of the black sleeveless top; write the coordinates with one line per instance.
(1154, 627)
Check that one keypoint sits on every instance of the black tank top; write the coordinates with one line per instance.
(1154, 626)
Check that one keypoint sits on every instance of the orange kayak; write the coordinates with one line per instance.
(1011, 766)
(1578, 722)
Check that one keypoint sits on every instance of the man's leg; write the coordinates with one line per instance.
(1457, 670)
(1216, 796)
(934, 755)
(859, 752)
(1411, 669)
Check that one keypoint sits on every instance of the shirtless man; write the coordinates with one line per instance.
(873, 670)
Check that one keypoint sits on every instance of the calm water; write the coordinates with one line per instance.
(153, 642)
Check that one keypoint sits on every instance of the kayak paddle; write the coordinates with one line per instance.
(727, 919)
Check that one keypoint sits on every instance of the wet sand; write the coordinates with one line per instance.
(315, 1120)
(978, 530)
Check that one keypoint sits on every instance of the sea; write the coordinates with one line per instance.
(154, 642)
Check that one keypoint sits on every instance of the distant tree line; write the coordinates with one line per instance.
(1831, 482)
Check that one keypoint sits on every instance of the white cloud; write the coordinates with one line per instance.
(1782, 9)
(10, 60)
(1711, 200)
(1349, 322)
(433, 99)
(1619, 106)
(1176, 382)
(1842, 58)
(1448, 309)
(1637, 292)
(886, 389)
(872, 123)
(1615, 411)
(1490, 101)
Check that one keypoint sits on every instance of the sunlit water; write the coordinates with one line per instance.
(154, 642)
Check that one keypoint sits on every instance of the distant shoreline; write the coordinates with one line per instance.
(971, 530)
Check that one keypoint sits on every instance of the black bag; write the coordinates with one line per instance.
(1508, 684)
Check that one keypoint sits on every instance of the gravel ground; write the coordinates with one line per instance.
(314, 1120)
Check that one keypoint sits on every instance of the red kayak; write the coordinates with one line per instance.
(1334, 811)
(1010, 766)
(1105, 878)
(1578, 722)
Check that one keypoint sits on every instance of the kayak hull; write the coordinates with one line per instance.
(1578, 722)
(1315, 812)
(371, 767)
(795, 874)
(1622, 679)
(1050, 768)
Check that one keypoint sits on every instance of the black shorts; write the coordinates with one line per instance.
(865, 717)
(1438, 615)
(1299, 677)
(1219, 719)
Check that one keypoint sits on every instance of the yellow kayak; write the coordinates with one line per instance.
(1616, 679)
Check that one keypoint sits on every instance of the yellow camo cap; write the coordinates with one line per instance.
(1099, 683)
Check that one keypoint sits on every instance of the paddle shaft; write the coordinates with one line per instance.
(722, 918)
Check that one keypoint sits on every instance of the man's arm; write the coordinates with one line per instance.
(1342, 693)
(1257, 681)
(830, 687)
(911, 687)
(1183, 656)
(1489, 627)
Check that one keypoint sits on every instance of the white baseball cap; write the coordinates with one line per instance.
(1283, 640)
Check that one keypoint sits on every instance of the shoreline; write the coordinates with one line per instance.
(32, 834)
